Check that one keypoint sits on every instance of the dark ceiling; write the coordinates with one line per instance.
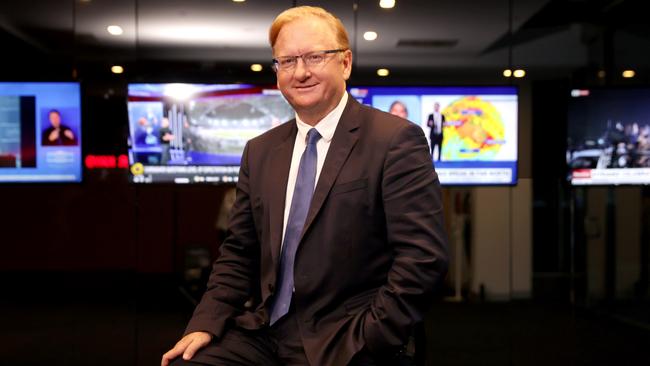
(416, 35)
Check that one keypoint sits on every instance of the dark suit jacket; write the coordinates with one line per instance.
(372, 251)
(63, 139)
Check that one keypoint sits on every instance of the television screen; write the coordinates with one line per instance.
(196, 133)
(609, 136)
(471, 131)
(40, 132)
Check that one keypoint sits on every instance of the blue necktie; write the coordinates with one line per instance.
(300, 203)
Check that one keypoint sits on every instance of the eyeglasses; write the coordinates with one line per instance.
(287, 63)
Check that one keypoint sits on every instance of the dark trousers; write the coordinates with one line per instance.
(436, 143)
(275, 346)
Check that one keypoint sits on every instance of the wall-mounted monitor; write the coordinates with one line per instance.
(196, 133)
(609, 136)
(40, 132)
(471, 131)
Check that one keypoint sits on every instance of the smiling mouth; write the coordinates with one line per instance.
(301, 87)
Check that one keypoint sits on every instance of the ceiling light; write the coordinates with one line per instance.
(370, 36)
(507, 73)
(201, 34)
(256, 67)
(519, 73)
(117, 69)
(238, 1)
(383, 72)
(579, 93)
(387, 4)
(115, 30)
(628, 74)
(601, 74)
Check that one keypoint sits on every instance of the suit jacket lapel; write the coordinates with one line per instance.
(345, 137)
(278, 178)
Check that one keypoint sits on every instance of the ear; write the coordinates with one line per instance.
(347, 64)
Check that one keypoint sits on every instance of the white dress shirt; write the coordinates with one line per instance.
(437, 122)
(325, 128)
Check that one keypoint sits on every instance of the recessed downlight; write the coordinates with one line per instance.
(387, 4)
(370, 35)
(115, 30)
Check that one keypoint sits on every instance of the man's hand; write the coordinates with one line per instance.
(69, 134)
(54, 135)
(187, 347)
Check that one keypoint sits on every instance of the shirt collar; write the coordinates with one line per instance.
(327, 125)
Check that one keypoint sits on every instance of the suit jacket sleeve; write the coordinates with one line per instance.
(413, 209)
(229, 285)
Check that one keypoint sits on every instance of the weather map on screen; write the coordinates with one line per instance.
(472, 131)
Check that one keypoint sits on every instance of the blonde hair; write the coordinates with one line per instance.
(300, 12)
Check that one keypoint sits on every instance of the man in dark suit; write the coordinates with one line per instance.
(336, 241)
(57, 134)
(436, 122)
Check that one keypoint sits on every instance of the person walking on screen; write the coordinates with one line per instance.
(436, 122)
(336, 240)
(57, 134)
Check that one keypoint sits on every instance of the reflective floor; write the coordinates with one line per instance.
(117, 319)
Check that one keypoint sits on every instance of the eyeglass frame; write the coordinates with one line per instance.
(276, 61)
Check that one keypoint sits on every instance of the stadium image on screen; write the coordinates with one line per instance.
(471, 131)
(609, 136)
(40, 132)
(196, 133)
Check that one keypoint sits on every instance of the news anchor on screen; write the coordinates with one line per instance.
(436, 121)
(57, 134)
(336, 240)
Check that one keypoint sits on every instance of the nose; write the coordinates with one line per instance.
(301, 72)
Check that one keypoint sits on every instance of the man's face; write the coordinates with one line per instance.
(55, 119)
(313, 91)
(398, 109)
(436, 107)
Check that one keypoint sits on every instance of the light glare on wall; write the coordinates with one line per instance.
(179, 91)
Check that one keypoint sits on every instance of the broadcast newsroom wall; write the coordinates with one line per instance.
(196, 133)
